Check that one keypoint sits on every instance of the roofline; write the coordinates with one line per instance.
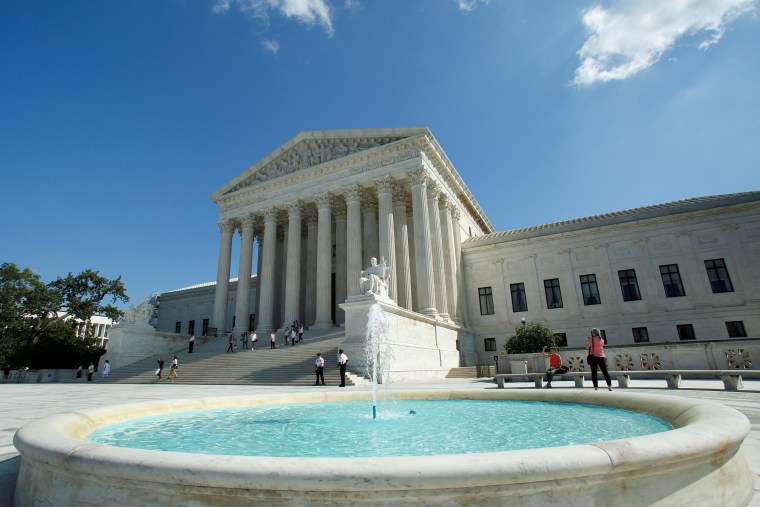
(617, 217)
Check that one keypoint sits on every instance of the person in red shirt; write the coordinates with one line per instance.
(555, 365)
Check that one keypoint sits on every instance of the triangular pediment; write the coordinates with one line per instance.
(309, 149)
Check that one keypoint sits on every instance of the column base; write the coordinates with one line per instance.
(432, 312)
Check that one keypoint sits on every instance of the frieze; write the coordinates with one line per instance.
(238, 201)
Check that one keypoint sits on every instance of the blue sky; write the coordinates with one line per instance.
(119, 119)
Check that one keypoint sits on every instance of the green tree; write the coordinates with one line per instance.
(531, 337)
(31, 311)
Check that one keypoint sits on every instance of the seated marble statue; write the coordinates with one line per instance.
(374, 279)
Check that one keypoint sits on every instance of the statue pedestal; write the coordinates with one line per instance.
(423, 347)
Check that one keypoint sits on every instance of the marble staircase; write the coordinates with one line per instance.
(211, 364)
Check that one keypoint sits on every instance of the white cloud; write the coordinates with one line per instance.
(271, 45)
(468, 5)
(308, 12)
(632, 35)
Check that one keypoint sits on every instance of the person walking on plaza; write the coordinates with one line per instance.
(555, 365)
(231, 341)
(286, 332)
(106, 369)
(596, 359)
(90, 371)
(293, 335)
(300, 333)
(272, 338)
(79, 372)
(244, 339)
(160, 366)
(342, 362)
(254, 339)
(319, 367)
(173, 369)
(191, 344)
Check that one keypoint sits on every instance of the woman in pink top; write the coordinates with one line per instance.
(596, 359)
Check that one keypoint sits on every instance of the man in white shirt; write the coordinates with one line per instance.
(319, 366)
(342, 361)
(254, 339)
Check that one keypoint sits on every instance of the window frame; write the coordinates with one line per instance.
(640, 334)
(178, 327)
(686, 332)
(629, 285)
(720, 284)
(517, 292)
(556, 293)
(489, 344)
(485, 297)
(586, 286)
(741, 331)
(674, 280)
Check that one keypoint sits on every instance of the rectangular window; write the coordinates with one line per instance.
(191, 327)
(590, 290)
(718, 275)
(519, 302)
(251, 319)
(686, 332)
(640, 334)
(736, 329)
(671, 280)
(553, 294)
(205, 326)
(560, 339)
(486, 300)
(178, 327)
(490, 344)
(629, 285)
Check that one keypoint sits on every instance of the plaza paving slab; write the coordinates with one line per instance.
(22, 403)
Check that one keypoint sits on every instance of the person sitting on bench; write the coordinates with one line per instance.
(555, 365)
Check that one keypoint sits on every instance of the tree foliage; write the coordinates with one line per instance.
(32, 312)
(531, 337)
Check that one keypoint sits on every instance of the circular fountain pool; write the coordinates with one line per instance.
(700, 461)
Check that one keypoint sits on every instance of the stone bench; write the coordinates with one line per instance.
(732, 379)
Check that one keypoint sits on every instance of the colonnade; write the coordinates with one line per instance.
(304, 242)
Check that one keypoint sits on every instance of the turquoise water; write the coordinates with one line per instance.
(403, 428)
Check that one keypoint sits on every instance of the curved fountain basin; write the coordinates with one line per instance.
(698, 462)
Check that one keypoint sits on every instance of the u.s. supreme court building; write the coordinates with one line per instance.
(319, 207)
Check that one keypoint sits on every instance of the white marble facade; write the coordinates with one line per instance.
(318, 208)
(321, 206)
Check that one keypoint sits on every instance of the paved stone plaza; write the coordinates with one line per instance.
(21, 403)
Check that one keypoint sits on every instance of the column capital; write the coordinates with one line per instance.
(399, 193)
(323, 200)
(352, 193)
(226, 225)
(294, 208)
(270, 215)
(444, 202)
(419, 177)
(384, 185)
(433, 189)
(456, 213)
(248, 221)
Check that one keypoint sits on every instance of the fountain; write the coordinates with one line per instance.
(699, 462)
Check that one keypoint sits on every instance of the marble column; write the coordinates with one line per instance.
(403, 273)
(267, 275)
(311, 268)
(412, 255)
(293, 273)
(369, 242)
(386, 231)
(449, 267)
(226, 228)
(353, 240)
(422, 247)
(242, 307)
(324, 260)
(280, 268)
(436, 244)
(461, 311)
(258, 227)
(340, 260)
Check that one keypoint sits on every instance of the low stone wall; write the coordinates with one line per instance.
(131, 343)
(708, 355)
